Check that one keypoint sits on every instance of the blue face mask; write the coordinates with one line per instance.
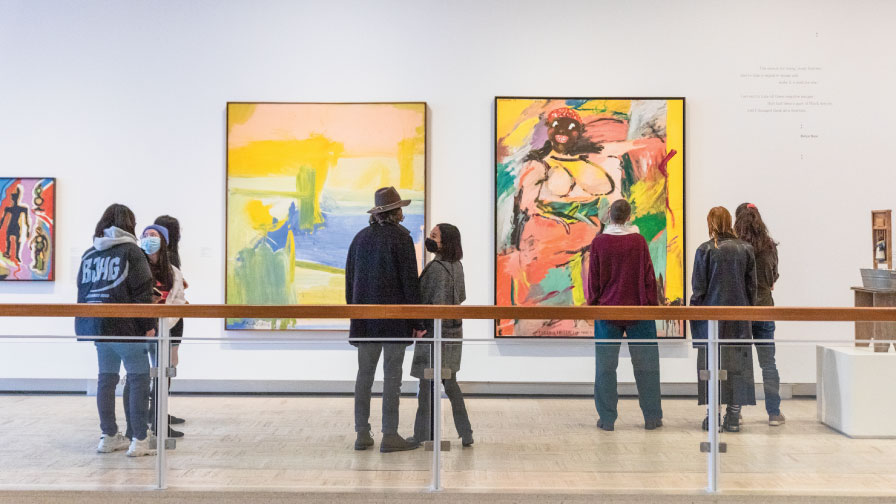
(151, 244)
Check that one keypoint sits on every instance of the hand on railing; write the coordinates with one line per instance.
(419, 333)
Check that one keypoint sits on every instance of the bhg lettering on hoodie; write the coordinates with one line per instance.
(102, 274)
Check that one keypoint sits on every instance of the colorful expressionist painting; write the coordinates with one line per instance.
(27, 229)
(300, 179)
(560, 163)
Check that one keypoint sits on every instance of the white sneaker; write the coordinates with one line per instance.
(140, 448)
(109, 444)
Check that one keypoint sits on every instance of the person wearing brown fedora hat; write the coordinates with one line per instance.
(387, 198)
(381, 268)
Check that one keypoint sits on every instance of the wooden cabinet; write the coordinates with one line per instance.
(867, 331)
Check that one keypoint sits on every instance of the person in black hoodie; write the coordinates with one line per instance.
(381, 268)
(115, 270)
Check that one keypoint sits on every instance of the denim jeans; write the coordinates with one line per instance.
(110, 356)
(771, 381)
(645, 361)
(368, 358)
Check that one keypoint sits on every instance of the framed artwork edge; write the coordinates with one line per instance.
(494, 172)
(51, 277)
(426, 191)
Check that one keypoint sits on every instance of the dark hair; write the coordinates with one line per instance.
(620, 211)
(751, 229)
(173, 226)
(451, 248)
(116, 215)
(394, 216)
(161, 271)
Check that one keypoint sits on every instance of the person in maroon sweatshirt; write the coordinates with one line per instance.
(621, 274)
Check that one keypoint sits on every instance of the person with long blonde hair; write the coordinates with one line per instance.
(724, 274)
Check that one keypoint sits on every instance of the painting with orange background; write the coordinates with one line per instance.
(560, 163)
(300, 179)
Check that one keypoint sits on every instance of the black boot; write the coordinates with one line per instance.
(364, 440)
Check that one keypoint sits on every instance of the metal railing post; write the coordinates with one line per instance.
(437, 407)
(712, 399)
(164, 359)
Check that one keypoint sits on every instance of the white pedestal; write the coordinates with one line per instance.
(856, 393)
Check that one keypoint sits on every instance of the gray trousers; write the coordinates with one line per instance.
(368, 358)
(423, 422)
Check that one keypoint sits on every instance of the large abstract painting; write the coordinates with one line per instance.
(300, 179)
(560, 164)
(27, 228)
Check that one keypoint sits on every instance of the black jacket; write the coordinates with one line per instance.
(381, 268)
(725, 275)
(766, 275)
(114, 270)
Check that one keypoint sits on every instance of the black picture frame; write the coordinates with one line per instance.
(684, 328)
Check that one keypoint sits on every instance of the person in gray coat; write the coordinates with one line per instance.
(725, 275)
(442, 283)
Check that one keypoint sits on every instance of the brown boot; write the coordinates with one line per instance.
(394, 443)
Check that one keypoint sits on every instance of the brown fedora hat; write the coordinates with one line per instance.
(386, 199)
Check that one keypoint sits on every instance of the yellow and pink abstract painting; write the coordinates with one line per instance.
(560, 163)
(300, 179)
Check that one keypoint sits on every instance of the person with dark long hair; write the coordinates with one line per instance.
(725, 275)
(442, 283)
(115, 270)
(749, 226)
(177, 331)
(168, 289)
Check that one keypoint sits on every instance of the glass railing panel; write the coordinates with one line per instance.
(541, 434)
(831, 431)
(277, 411)
(57, 397)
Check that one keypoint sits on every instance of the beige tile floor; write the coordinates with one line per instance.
(521, 444)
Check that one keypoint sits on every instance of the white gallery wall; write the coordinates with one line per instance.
(789, 105)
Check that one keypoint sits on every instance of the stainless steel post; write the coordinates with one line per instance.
(437, 406)
(712, 398)
(164, 361)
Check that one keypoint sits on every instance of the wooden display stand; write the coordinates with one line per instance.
(867, 331)
(882, 233)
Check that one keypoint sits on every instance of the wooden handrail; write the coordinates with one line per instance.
(453, 312)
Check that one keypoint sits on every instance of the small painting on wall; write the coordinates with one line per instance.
(27, 229)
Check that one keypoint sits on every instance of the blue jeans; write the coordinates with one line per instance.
(110, 356)
(771, 381)
(645, 361)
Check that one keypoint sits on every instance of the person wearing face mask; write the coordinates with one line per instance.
(442, 283)
(168, 289)
(177, 331)
(114, 270)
